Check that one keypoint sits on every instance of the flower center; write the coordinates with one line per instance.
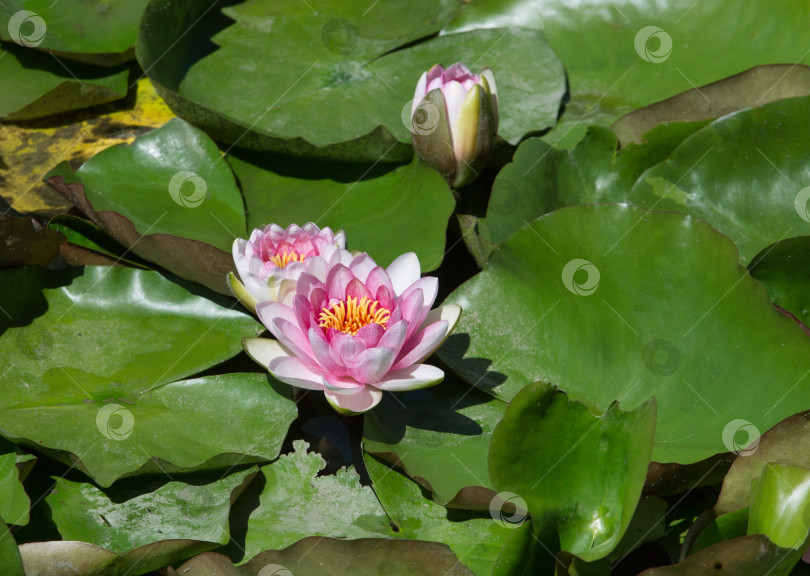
(350, 315)
(281, 260)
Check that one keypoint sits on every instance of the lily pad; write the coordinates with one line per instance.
(476, 541)
(10, 561)
(135, 513)
(297, 503)
(440, 436)
(327, 63)
(744, 174)
(785, 443)
(541, 179)
(168, 196)
(14, 502)
(404, 210)
(98, 31)
(75, 351)
(83, 559)
(30, 150)
(579, 474)
(84, 234)
(695, 330)
(334, 557)
(45, 85)
(780, 506)
(621, 55)
(745, 556)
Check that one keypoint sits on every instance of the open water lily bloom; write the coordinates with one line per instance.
(355, 329)
(275, 256)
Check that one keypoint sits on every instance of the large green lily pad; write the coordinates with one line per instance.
(404, 210)
(579, 474)
(612, 302)
(625, 54)
(169, 197)
(135, 513)
(44, 85)
(329, 64)
(100, 31)
(99, 351)
(784, 268)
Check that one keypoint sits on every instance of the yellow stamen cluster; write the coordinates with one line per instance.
(281, 260)
(351, 315)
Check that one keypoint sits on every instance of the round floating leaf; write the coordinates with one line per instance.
(580, 474)
(83, 559)
(440, 436)
(784, 268)
(780, 505)
(786, 443)
(334, 557)
(95, 354)
(90, 30)
(171, 180)
(168, 196)
(138, 512)
(10, 561)
(625, 54)
(405, 210)
(297, 503)
(541, 179)
(746, 556)
(614, 302)
(44, 85)
(14, 502)
(744, 174)
(328, 63)
(477, 541)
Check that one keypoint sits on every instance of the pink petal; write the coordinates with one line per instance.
(291, 336)
(361, 266)
(269, 311)
(351, 351)
(412, 307)
(295, 373)
(303, 313)
(320, 349)
(419, 93)
(413, 378)
(357, 289)
(422, 345)
(284, 248)
(370, 334)
(364, 400)
(403, 272)
(429, 285)
(378, 278)
(394, 336)
(375, 364)
(385, 297)
(454, 94)
(336, 281)
(341, 385)
(458, 72)
(318, 300)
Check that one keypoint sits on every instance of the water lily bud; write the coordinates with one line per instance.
(454, 119)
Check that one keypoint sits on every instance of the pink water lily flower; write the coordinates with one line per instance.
(275, 256)
(355, 329)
